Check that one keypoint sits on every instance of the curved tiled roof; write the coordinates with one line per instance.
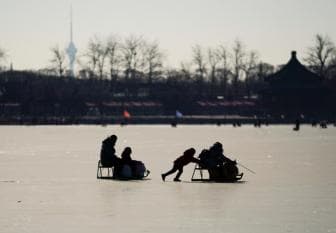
(294, 74)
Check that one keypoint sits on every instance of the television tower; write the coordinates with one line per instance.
(71, 50)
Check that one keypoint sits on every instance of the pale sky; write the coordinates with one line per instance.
(29, 28)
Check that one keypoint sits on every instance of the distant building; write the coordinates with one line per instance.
(295, 90)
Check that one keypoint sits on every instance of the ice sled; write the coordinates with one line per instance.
(123, 172)
(229, 176)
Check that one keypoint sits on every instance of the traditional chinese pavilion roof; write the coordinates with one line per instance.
(294, 75)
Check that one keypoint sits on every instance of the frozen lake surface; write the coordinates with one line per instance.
(48, 181)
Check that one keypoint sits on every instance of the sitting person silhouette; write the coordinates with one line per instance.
(126, 156)
(107, 152)
(126, 167)
(129, 168)
(219, 166)
(214, 156)
(180, 162)
(217, 153)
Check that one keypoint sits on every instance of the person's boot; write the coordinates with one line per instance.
(177, 180)
(163, 177)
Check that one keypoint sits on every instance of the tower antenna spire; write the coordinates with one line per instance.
(71, 35)
(71, 50)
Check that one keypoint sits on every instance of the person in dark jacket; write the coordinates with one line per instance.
(226, 168)
(126, 156)
(217, 153)
(219, 166)
(180, 162)
(126, 162)
(107, 152)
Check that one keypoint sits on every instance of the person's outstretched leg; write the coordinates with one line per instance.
(174, 169)
(177, 177)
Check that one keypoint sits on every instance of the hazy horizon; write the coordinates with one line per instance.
(272, 28)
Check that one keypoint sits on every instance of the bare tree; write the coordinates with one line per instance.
(98, 51)
(238, 63)
(58, 60)
(186, 71)
(92, 54)
(320, 55)
(2, 58)
(250, 68)
(199, 60)
(103, 51)
(250, 65)
(224, 67)
(264, 70)
(113, 56)
(332, 67)
(153, 59)
(2, 54)
(132, 55)
(214, 59)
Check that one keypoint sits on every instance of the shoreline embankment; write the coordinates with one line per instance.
(158, 120)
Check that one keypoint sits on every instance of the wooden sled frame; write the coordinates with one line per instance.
(100, 173)
(202, 179)
(109, 173)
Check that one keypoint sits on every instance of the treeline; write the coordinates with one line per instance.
(218, 71)
(231, 72)
(129, 69)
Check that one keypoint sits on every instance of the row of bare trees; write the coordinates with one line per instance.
(111, 58)
(131, 58)
(221, 67)
(220, 70)
(134, 57)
